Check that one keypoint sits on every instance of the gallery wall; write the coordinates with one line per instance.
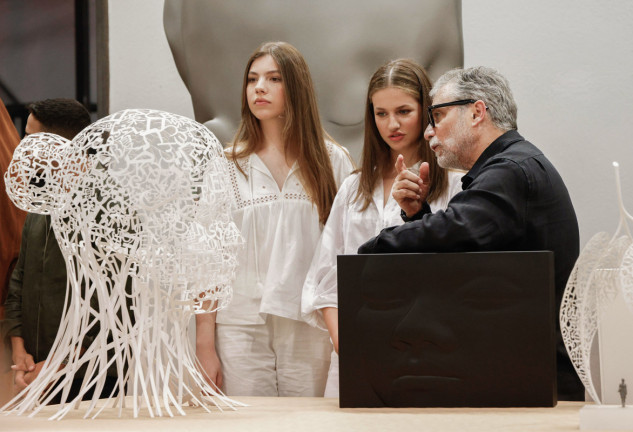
(142, 71)
(569, 63)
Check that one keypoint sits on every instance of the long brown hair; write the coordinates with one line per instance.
(302, 131)
(411, 78)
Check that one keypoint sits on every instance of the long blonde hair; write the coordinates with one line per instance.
(302, 131)
(411, 78)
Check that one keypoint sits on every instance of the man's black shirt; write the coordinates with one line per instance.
(512, 199)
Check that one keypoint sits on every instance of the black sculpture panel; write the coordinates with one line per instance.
(462, 329)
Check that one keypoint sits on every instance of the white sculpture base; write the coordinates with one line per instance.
(606, 417)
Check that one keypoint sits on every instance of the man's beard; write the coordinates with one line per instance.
(455, 150)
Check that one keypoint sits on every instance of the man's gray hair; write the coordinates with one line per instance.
(486, 84)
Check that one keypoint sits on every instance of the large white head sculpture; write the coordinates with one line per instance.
(343, 42)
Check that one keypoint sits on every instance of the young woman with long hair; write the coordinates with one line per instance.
(395, 119)
(284, 175)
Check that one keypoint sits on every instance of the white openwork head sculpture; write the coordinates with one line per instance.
(596, 315)
(34, 179)
(140, 207)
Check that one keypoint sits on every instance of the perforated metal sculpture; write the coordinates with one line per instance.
(139, 205)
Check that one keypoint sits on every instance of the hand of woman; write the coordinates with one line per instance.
(211, 365)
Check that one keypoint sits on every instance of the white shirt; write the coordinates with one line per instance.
(281, 230)
(346, 229)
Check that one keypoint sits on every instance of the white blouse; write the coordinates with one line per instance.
(281, 230)
(346, 229)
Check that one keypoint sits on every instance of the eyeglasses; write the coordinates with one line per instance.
(442, 105)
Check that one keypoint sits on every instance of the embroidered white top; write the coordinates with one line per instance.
(281, 230)
(346, 229)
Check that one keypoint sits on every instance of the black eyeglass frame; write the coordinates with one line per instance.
(442, 105)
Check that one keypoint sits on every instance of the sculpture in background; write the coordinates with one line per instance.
(597, 308)
(139, 203)
(342, 42)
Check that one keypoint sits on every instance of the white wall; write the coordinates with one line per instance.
(570, 65)
(568, 61)
(142, 71)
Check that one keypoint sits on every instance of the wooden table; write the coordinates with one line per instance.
(311, 414)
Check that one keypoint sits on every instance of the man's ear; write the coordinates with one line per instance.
(479, 112)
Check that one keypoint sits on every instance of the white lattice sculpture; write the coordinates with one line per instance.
(140, 207)
(603, 274)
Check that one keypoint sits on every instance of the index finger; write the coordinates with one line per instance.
(19, 367)
(400, 166)
(424, 172)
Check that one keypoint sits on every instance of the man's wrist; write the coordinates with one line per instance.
(17, 343)
(17, 349)
(426, 208)
(406, 218)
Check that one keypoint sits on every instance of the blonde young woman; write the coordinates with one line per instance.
(395, 119)
(284, 177)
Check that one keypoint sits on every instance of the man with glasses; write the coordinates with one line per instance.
(512, 198)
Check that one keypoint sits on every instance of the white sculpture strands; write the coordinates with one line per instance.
(596, 320)
(139, 204)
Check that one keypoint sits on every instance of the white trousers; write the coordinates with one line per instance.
(331, 387)
(282, 357)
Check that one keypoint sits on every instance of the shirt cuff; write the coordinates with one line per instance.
(426, 208)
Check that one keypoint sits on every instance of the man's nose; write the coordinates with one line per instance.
(429, 132)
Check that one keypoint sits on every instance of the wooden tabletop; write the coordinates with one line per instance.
(310, 414)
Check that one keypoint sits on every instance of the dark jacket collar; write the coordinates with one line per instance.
(497, 146)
